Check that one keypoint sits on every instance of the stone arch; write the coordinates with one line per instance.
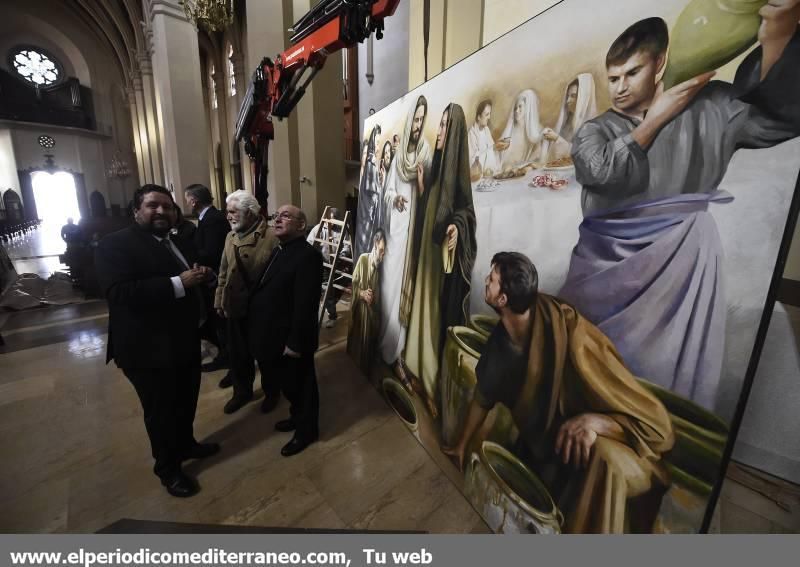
(33, 30)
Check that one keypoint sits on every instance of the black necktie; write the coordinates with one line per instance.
(201, 304)
(168, 245)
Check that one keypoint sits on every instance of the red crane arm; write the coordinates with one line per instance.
(276, 87)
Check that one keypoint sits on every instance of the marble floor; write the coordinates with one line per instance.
(75, 455)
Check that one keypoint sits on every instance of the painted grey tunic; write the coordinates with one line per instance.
(647, 266)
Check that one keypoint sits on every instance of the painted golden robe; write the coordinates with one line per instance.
(572, 369)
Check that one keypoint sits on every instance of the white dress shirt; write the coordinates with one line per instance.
(177, 284)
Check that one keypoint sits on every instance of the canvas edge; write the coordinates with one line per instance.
(755, 355)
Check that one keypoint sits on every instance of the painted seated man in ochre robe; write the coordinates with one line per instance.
(365, 313)
(587, 428)
(647, 268)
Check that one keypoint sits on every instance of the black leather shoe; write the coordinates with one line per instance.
(226, 382)
(202, 451)
(180, 485)
(236, 403)
(216, 364)
(296, 445)
(270, 403)
(285, 426)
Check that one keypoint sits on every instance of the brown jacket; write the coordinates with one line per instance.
(233, 287)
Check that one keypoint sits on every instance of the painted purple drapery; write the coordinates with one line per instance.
(650, 278)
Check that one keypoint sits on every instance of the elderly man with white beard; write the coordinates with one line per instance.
(247, 248)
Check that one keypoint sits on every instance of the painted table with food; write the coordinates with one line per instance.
(534, 209)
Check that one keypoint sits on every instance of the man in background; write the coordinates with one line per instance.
(209, 240)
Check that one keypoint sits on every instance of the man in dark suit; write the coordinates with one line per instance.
(209, 239)
(154, 316)
(283, 328)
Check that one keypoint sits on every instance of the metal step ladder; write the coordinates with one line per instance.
(333, 234)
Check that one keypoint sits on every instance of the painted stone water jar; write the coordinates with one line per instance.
(484, 324)
(401, 402)
(508, 495)
(462, 350)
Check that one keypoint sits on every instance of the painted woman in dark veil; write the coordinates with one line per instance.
(369, 197)
(446, 248)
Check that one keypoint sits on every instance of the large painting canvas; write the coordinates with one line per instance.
(565, 248)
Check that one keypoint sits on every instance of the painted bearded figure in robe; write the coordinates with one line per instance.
(400, 196)
(578, 105)
(647, 269)
(522, 136)
(446, 253)
(369, 196)
(364, 311)
(587, 428)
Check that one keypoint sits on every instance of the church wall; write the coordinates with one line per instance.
(8, 163)
(17, 28)
(390, 65)
(77, 152)
(85, 55)
(502, 16)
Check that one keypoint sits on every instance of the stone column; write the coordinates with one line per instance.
(137, 144)
(416, 43)
(223, 101)
(153, 133)
(242, 77)
(179, 96)
(208, 113)
(144, 143)
(266, 37)
(464, 30)
(320, 119)
(456, 29)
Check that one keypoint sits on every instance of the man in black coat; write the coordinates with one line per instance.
(283, 328)
(209, 239)
(154, 314)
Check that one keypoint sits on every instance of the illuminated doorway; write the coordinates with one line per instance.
(56, 198)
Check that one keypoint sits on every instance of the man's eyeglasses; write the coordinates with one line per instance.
(284, 215)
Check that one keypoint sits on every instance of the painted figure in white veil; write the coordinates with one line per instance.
(578, 105)
(523, 132)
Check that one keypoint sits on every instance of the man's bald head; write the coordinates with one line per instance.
(290, 223)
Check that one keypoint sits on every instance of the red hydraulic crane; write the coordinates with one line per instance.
(277, 86)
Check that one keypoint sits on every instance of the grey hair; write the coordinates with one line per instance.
(245, 200)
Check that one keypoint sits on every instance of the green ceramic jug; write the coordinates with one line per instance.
(709, 34)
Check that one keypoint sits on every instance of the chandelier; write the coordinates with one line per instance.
(118, 168)
(211, 15)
